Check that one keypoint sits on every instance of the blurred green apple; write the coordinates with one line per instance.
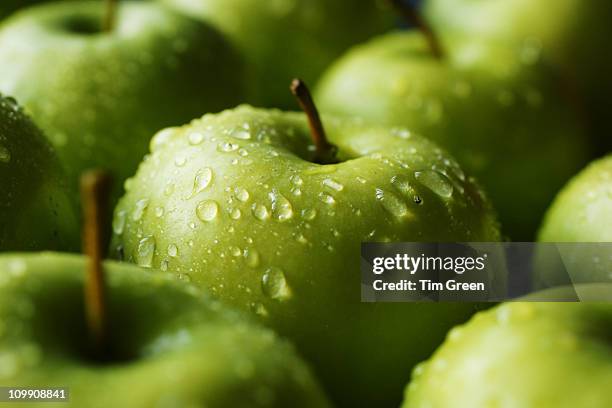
(100, 95)
(171, 345)
(35, 209)
(528, 355)
(234, 203)
(493, 105)
(581, 213)
(572, 34)
(282, 39)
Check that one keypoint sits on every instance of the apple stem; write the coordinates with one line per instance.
(414, 17)
(110, 16)
(95, 190)
(325, 152)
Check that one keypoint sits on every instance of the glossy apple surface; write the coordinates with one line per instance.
(521, 354)
(171, 345)
(495, 106)
(284, 39)
(99, 96)
(233, 203)
(35, 209)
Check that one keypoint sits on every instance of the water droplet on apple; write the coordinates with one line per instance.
(333, 184)
(119, 222)
(207, 210)
(297, 180)
(243, 152)
(169, 189)
(180, 160)
(251, 257)
(159, 212)
(146, 251)
(201, 181)
(403, 186)
(282, 209)
(5, 155)
(195, 138)
(259, 309)
(260, 212)
(361, 180)
(392, 203)
(227, 147)
(327, 199)
(436, 182)
(235, 213)
(241, 133)
(139, 209)
(172, 250)
(309, 213)
(241, 194)
(274, 284)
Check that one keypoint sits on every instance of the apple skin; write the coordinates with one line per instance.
(521, 354)
(574, 35)
(172, 345)
(581, 212)
(483, 102)
(231, 203)
(35, 209)
(285, 39)
(105, 94)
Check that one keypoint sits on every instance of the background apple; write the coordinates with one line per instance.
(282, 39)
(572, 34)
(582, 212)
(106, 92)
(232, 202)
(521, 354)
(35, 211)
(493, 105)
(171, 345)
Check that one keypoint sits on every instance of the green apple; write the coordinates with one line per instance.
(171, 345)
(106, 93)
(282, 39)
(35, 209)
(581, 213)
(234, 203)
(573, 35)
(494, 106)
(524, 355)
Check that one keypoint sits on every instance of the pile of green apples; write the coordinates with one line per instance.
(235, 221)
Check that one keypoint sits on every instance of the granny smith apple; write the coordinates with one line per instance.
(521, 355)
(99, 95)
(171, 345)
(235, 203)
(493, 105)
(572, 34)
(282, 39)
(582, 213)
(35, 209)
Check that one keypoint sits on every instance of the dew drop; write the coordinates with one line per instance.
(392, 203)
(327, 199)
(172, 250)
(260, 212)
(159, 212)
(146, 250)
(180, 160)
(333, 184)
(119, 222)
(274, 284)
(282, 210)
(241, 194)
(436, 182)
(227, 147)
(403, 186)
(139, 209)
(251, 257)
(241, 133)
(235, 213)
(207, 210)
(201, 181)
(161, 138)
(195, 138)
(309, 213)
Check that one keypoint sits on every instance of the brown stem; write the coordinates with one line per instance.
(95, 189)
(412, 15)
(108, 24)
(325, 152)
